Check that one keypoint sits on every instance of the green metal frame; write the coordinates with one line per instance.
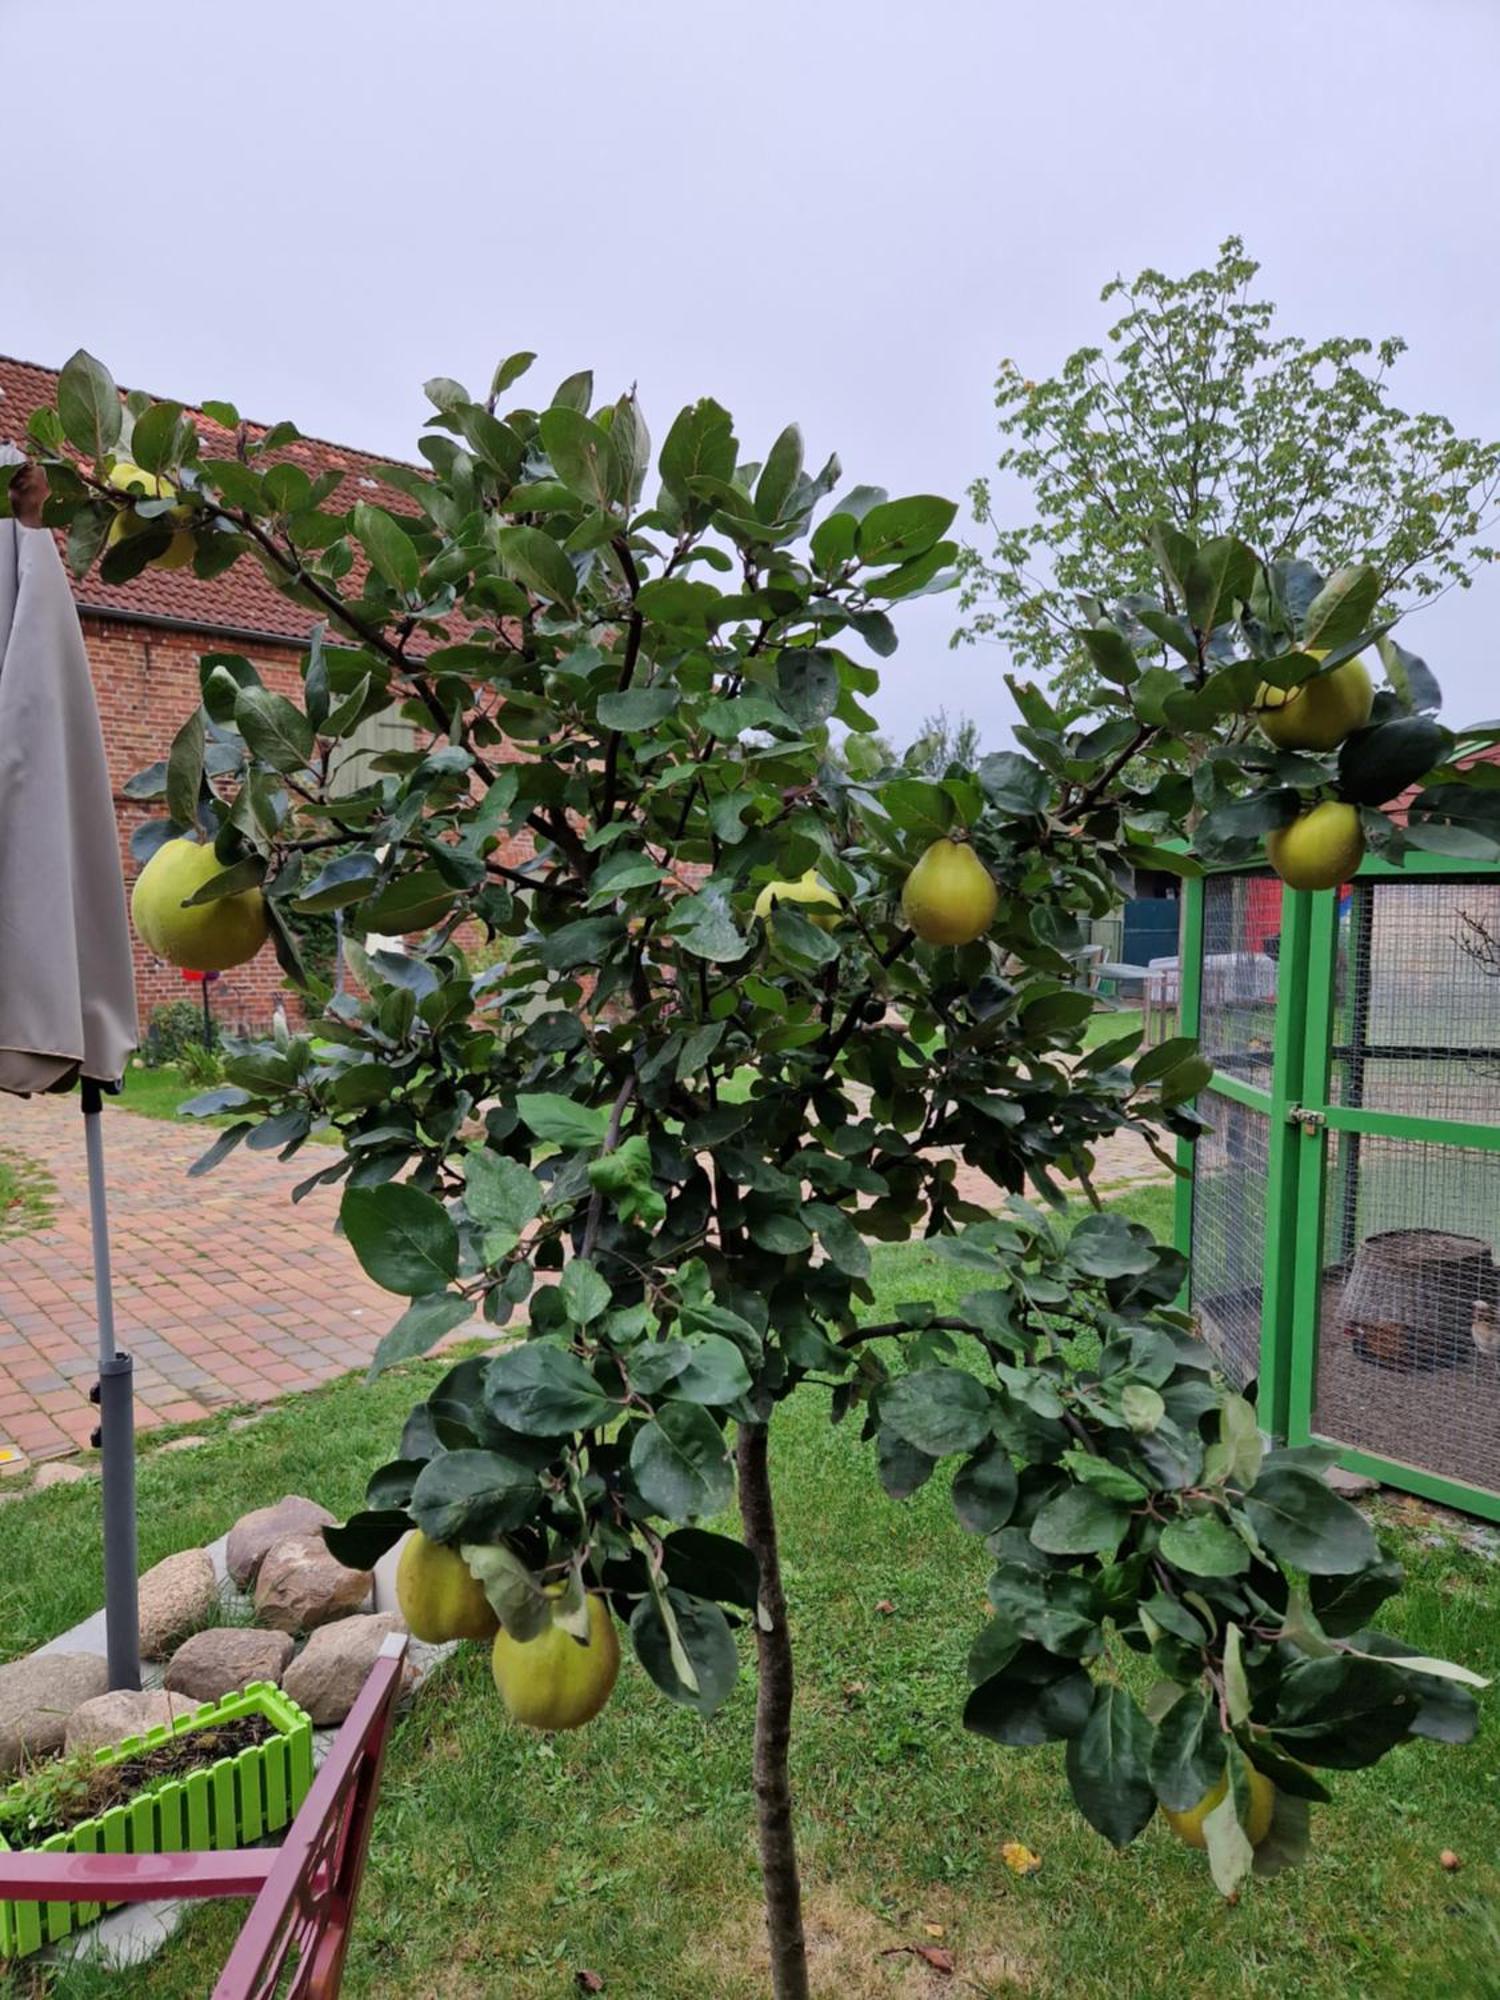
(1300, 1118)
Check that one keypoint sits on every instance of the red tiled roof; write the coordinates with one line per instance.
(243, 599)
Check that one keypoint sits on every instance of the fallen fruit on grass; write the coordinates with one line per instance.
(208, 937)
(1320, 713)
(555, 1681)
(1188, 1825)
(1320, 849)
(950, 897)
(807, 893)
(128, 478)
(439, 1595)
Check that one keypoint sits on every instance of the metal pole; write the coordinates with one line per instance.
(116, 1428)
(208, 1018)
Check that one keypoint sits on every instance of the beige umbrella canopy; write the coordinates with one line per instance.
(67, 993)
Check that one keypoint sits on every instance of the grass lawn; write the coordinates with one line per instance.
(26, 1193)
(156, 1093)
(503, 1863)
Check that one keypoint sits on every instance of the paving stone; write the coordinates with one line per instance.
(225, 1659)
(38, 1695)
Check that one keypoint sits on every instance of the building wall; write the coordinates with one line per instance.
(147, 685)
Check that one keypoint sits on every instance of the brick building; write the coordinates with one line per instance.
(144, 640)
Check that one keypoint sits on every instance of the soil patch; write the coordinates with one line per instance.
(60, 1794)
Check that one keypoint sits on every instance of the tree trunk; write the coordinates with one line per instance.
(773, 1724)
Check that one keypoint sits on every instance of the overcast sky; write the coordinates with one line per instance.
(839, 211)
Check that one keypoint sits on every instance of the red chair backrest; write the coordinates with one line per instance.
(302, 1917)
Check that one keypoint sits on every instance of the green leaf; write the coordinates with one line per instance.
(636, 708)
(346, 879)
(405, 1239)
(713, 1566)
(1342, 609)
(807, 684)
(680, 1465)
(393, 556)
(89, 405)
(705, 926)
(1230, 1855)
(536, 561)
(473, 1495)
(584, 1294)
(1221, 574)
(1109, 1766)
(583, 455)
(184, 775)
(542, 1390)
(1035, 1699)
(1141, 1407)
(1080, 1521)
(515, 1596)
(779, 475)
(1187, 1758)
(510, 370)
(700, 444)
(1305, 1523)
(366, 1536)
(898, 529)
(559, 1121)
(1204, 1545)
(1109, 1246)
(939, 1410)
(714, 1375)
(275, 731)
(984, 1490)
(846, 1249)
(425, 1322)
(922, 808)
(902, 1468)
(703, 1633)
(1060, 1612)
(1112, 1480)
(409, 903)
(502, 1195)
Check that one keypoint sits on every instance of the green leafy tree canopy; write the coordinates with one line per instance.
(658, 1137)
(1199, 411)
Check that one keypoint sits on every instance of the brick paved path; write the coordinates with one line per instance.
(224, 1292)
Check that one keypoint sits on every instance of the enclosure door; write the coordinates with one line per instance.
(1396, 1322)
(1243, 947)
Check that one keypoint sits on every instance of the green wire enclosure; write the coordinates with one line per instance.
(1341, 1214)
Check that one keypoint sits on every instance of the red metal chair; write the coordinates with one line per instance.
(305, 1890)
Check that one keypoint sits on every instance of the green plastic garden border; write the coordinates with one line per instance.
(226, 1804)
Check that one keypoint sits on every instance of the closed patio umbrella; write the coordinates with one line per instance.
(67, 990)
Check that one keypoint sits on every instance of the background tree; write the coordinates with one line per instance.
(672, 1120)
(1199, 412)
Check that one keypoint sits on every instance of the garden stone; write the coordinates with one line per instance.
(177, 1597)
(1350, 1485)
(58, 1472)
(110, 1718)
(254, 1534)
(327, 1675)
(225, 1659)
(36, 1698)
(301, 1586)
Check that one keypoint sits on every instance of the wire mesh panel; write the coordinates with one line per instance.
(1408, 1351)
(1229, 1232)
(1417, 999)
(1241, 949)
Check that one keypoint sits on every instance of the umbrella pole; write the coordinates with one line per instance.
(116, 1398)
